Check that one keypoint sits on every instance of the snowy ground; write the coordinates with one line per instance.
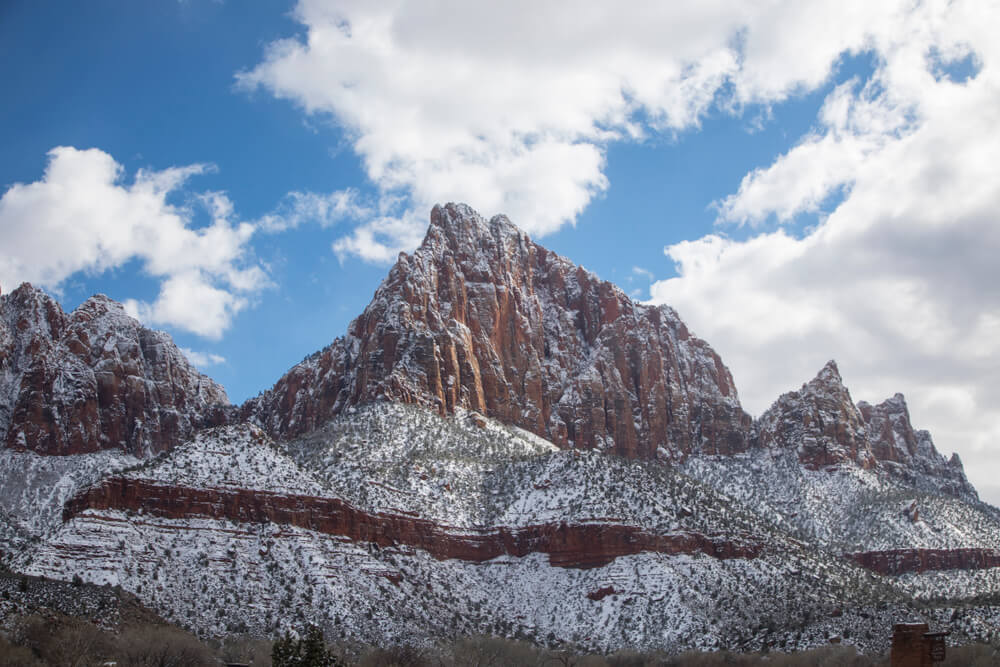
(219, 576)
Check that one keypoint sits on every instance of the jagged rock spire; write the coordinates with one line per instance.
(820, 421)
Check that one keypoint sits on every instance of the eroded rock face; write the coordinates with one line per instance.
(820, 421)
(824, 426)
(903, 561)
(910, 453)
(585, 545)
(480, 317)
(95, 380)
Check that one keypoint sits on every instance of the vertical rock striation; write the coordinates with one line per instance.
(479, 317)
(95, 380)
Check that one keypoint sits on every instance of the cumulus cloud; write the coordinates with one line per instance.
(84, 216)
(510, 106)
(898, 280)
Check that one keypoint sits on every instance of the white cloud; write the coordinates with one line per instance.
(203, 359)
(510, 106)
(298, 208)
(645, 273)
(84, 216)
(899, 281)
(381, 239)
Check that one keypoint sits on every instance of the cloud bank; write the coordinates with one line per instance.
(900, 281)
(510, 106)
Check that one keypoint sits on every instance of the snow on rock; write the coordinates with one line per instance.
(239, 456)
(228, 550)
(482, 318)
(910, 454)
(820, 422)
(35, 487)
(501, 444)
(94, 380)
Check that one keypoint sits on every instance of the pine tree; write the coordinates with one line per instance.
(309, 651)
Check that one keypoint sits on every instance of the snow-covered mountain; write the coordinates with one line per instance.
(501, 443)
(402, 525)
(95, 380)
(480, 317)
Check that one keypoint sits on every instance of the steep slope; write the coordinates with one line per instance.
(94, 380)
(482, 318)
(351, 527)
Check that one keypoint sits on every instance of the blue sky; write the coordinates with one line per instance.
(800, 183)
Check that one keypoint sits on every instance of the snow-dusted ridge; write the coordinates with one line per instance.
(187, 567)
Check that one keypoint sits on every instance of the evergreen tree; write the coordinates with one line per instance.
(309, 651)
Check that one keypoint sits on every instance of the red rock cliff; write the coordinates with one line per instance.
(567, 545)
(95, 379)
(902, 561)
(480, 317)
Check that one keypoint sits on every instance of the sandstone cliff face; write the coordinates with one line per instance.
(824, 426)
(909, 453)
(94, 380)
(820, 421)
(480, 317)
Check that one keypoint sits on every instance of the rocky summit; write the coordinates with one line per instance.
(482, 318)
(501, 443)
(95, 380)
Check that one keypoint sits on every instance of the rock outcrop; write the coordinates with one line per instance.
(820, 421)
(95, 380)
(574, 545)
(480, 317)
(909, 453)
(826, 429)
(903, 561)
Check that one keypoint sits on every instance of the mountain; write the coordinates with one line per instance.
(482, 318)
(81, 394)
(501, 443)
(95, 380)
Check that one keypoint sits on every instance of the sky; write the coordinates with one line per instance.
(800, 181)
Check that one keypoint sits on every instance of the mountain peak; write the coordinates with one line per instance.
(820, 420)
(72, 380)
(904, 449)
(26, 292)
(483, 319)
(461, 225)
(101, 304)
(830, 373)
